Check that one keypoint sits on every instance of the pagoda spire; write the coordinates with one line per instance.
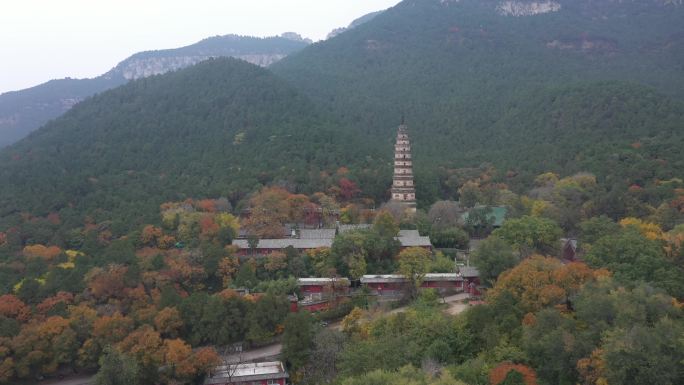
(403, 188)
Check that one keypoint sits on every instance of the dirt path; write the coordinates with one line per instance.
(455, 303)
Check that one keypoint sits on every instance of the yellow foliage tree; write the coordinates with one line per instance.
(649, 230)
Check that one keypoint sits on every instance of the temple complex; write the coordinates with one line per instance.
(403, 189)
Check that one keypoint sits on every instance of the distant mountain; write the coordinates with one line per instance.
(363, 19)
(24, 111)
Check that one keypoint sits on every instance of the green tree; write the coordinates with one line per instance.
(357, 265)
(469, 194)
(117, 368)
(633, 257)
(385, 225)
(641, 355)
(414, 263)
(452, 237)
(530, 235)
(348, 250)
(298, 339)
(595, 228)
(492, 257)
(513, 377)
(480, 221)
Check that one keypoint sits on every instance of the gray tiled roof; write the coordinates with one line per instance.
(297, 243)
(469, 271)
(431, 277)
(317, 233)
(247, 372)
(412, 238)
(346, 228)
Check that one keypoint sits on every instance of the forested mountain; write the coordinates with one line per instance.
(584, 86)
(516, 83)
(24, 111)
(221, 127)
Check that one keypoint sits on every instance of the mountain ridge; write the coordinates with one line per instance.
(25, 110)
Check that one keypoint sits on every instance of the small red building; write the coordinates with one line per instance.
(394, 284)
(318, 292)
(320, 288)
(471, 278)
(261, 373)
(443, 282)
(569, 249)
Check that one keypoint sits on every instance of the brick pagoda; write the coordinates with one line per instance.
(403, 189)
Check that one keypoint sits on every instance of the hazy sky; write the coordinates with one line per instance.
(50, 39)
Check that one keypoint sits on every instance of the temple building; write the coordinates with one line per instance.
(403, 189)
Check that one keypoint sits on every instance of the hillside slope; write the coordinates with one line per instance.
(216, 129)
(464, 73)
(24, 111)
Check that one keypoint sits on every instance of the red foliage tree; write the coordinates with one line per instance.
(49, 303)
(54, 218)
(208, 228)
(348, 189)
(208, 205)
(150, 234)
(499, 373)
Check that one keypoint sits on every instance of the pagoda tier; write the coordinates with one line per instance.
(403, 188)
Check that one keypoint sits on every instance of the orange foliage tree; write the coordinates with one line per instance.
(41, 347)
(13, 307)
(205, 359)
(592, 369)
(178, 355)
(150, 234)
(538, 282)
(501, 371)
(300, 206)
(168, 322)
(40, 251)
(227, 268)
(107, 283)
(185, 271)
(276, 261)
(269, 210)
(108, 330)
(146, 346)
